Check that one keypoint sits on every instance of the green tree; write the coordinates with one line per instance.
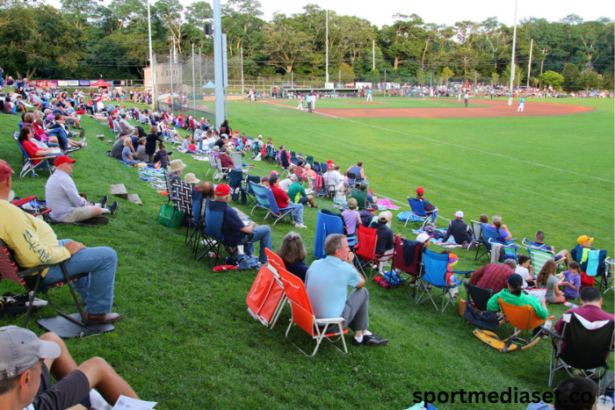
(551, 78)
(589, 80)
(198, 12)
(494, 78)
(571, 78)
(284, 43)
(447, 73)
(347, 73)
(170, 13)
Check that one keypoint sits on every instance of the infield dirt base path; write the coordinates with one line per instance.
(494, 108)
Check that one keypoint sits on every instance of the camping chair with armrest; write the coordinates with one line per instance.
(214, 218)
(316, 168)
(212, 163)
(328, 189)
(198, 237)
(266, 298)
(588, 347)
(361, 197)
(476, 311)
(236, 178)
(418, 212)
(435, 273)
(266, 200)
(539, 255)
(30, 280)
(303, 315)
(310, 160)
(400, 267)
(327, 223)
(593, 266)
(28, 165)
(365, 251)
(237, 159)
(490, 237)
(182, 202)
(251, 198)
(522, 319)
(221, 172)
(477, 231)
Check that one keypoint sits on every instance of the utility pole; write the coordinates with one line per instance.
(512, 64)
(241, 56)
(327, 46)
(340, 80)
(373, 54)
(171, 71)
(218, 64)
(385, 82)
(542, 64)
(193, 85)
(200, 70)
(151, 57)
(529, 66)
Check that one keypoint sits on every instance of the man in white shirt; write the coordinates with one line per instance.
(333, 178)
(65, 201)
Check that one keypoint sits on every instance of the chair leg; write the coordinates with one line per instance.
(31, 299)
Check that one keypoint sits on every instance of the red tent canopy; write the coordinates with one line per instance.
(100, 83)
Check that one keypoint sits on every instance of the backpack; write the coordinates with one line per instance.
(247, 262)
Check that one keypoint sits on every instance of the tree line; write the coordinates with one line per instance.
(85, 39)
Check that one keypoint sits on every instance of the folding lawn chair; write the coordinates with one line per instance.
(237, 159)
(303, 315)
(327, 223)
(236, 183)
(44, 163)
(538, 255)
(477, 231)
(197, 237)
(266, 200)
(212, 163)
(214, 244)
(490, 237)
(593, 266)
(310, 160)
(582, 345)
(30, 279)
(434, 272)
(251, 198)
(476, 311)
(400, 266)
(361, 197)
(365, 250)
(266, 297)
(523, 319)
(418, 212)
(221, 172)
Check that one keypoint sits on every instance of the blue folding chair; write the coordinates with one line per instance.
(266, 200)
(418, 212)
(434, 268)
(490, 237)
(327, 223)
(214, 242)
(316, 168)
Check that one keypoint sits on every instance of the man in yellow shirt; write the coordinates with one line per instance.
(34, 243)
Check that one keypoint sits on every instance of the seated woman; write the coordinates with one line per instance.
(128, 156)
(352, 218)
(34, 148)
(293, 254)
(547, 280)
(504, 234)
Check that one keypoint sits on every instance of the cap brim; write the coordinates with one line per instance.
(48, 350)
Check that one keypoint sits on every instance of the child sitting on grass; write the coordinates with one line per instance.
(573, 281)
(524, 269)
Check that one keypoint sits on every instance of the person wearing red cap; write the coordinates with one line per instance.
(237, 233)
(430, 210)
(66, 204)
(34, 243)
(283, 201)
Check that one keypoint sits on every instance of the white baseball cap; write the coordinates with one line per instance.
(459, 214)
(422, 237)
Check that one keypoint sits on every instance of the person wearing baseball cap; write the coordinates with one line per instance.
(26, 362)
(385, 245)
(430, 209)
(236, 231)
(460, 231)
(34, 243)
(424, 238)
(513, 295)
(66, 203)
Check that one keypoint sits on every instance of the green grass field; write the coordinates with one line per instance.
(185, 339)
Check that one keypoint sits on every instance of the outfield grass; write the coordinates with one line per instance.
(185, 339)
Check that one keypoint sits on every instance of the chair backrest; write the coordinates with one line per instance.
(212, 161)
(480, 296)
(435, 266)
(399, 262)
(417, 207)
(539, 257)
(214, 218)
(367, 238)
(488, 234)
(254, 179)
(327, 223)
(265, 198)
(360, 196)
(477, 230)
(274, 259)
(586, 348)
(235, 178)
(8, 268)
(316, 167)
(303, 314)
(521, 317)
(183, 197)
(265, 295)
(237, 159)
(198, 207)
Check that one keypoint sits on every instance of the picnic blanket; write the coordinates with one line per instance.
(408, 216)
(385, 203)
(450, 243)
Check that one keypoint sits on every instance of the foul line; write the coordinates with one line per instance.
(468, 148)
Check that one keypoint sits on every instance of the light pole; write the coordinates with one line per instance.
(327, 46)
(151, 57)
(512, 64)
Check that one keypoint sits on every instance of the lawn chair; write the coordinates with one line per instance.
(198, 237)
(303, 315)
(609, 265)
(476, 311)
(365, 250)
(30, 279)
(44, 163)
(266, 297)
(251, 198)
(538, 255)
(266, 200)
(328, 189)
(236, 183)
(316, 168)
(361, 197)
(400, 267)
(593, 266)
(477, 231)
(523, 319)
(237, 159)
(434, 272)
(214, 218)
(490, 237)
(587, 347)
(327, 223)
(212, 163)
(310, 160)
(418, 212)
(221, 172)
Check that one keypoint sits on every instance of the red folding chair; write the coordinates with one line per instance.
(330, 329)
(399, 265)
(365, 250)
(266, 297)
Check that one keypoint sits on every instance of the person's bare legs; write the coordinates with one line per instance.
(65, 363)
(311, 201)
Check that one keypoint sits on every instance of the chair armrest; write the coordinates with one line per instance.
(32, 271)
(552, 332)
(330, 320)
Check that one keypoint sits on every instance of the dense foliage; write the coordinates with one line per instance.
(86, 39)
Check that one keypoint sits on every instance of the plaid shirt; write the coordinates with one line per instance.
(492, 277)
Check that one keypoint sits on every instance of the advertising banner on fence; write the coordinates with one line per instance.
(62, 83)
(84, 83)
(41, 83)
(73, 83)
(52, 83)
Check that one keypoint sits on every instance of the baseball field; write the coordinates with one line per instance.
(185, 339)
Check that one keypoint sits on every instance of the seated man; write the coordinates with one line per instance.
(286, 183)
(539, 239)
(65, 201)
(514, 295)
(125, 127)
(237, 233)
(296, 190)
(574, 393)
(591, 309)
(34, 243)
(284, 202)
(493, 276)
(385, 244)
(118, 146)
(225, 159)
(327, 283)
(332, 179)
(459, 230)
(430, 210)
(26, 362)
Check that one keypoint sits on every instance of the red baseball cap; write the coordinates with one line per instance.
(5, 171)
(420, 191)
(63, 159)
(222, 190)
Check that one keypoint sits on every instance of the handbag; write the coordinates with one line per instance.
(169, 217)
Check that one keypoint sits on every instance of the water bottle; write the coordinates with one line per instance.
(549, 323)
(604, 403)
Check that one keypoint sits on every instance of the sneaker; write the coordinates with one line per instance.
(300, 225)
(371, 340)
(103, 201)
(82, 133)
(113, 208)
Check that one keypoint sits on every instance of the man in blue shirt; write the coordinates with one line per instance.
(308, 101)
(327, 283)
(430, 210)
